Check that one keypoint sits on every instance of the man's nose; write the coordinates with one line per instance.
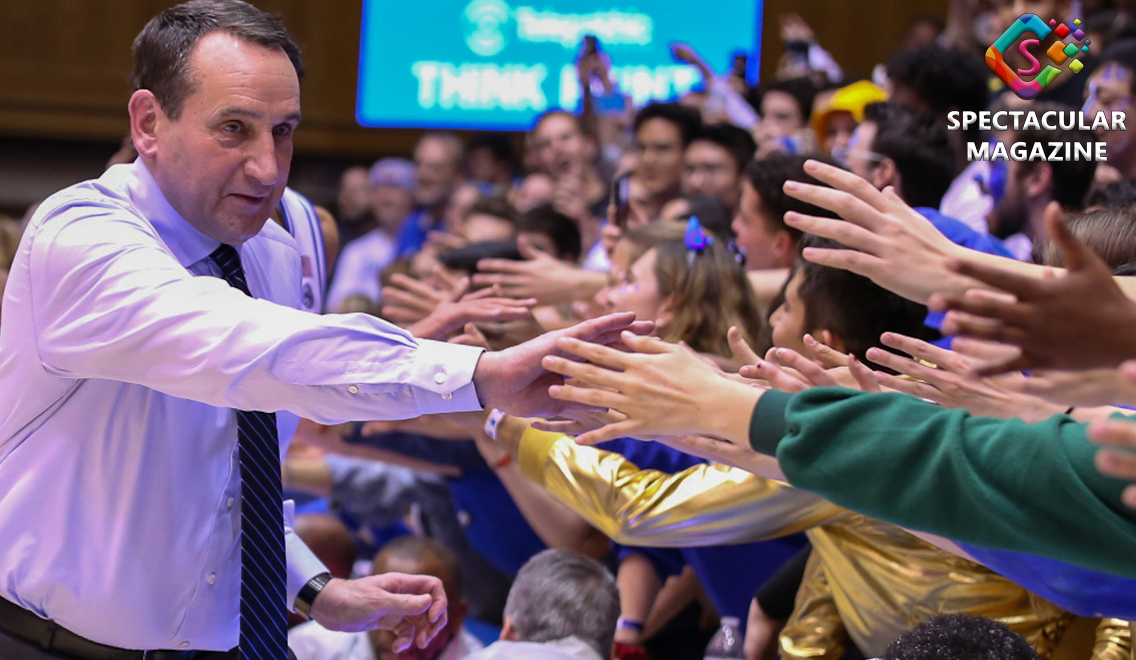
(262, 163)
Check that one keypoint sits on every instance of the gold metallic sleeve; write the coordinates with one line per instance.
(815, 631)
(1114, 641)
(703, 505)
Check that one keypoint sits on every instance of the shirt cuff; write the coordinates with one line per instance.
(443, 375)
(532, 454)
(767, 425)
(303, 565)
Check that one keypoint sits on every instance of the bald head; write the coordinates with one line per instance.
(330, 540)
(421, 556)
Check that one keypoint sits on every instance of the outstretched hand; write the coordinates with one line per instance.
(661, 389)
(1117, 457)
(514, 380)
(787, 370)
(946, 378)
(539, 276)
(891, 244)
(412, 606)
(1081, 320)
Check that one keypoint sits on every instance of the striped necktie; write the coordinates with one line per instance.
(263, 577)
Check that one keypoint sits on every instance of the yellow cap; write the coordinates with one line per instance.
(852, 99)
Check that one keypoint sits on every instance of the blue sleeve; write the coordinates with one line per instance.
(459, 454)
(1082, 591)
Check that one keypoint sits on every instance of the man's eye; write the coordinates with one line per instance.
(283, 130)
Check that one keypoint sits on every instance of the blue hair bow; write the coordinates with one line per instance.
(696, 238)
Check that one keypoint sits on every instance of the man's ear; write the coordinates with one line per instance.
(887, 174)
(785, 247)
(508, 632)
(1039, 180)
(830, 339)
(145, 117)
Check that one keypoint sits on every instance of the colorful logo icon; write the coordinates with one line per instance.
(1059, 53)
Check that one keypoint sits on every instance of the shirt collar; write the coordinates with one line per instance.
(187, 244)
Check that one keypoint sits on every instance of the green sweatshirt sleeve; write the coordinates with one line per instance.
(1028, 488)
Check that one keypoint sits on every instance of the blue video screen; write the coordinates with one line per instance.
(497, 64)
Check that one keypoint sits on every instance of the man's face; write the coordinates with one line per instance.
(710, 169)
(788, 320)
(561, 148)
(354, 194)
(1012, 213)
(435, 171)
(780, 114)
(223, 163)
(658, 145)
(1110, 90)
(391, 205)
(754, 234)
(838, 131)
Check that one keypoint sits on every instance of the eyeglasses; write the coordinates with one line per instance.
(842, 154)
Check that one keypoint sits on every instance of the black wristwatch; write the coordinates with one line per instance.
(308, 593)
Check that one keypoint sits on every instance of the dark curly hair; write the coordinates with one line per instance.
(960, 637)
(942, 78)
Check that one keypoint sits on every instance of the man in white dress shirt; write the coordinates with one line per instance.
(132, 356)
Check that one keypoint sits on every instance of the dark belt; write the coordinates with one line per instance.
(49, 636)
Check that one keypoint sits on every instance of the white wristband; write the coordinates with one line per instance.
(491, 423)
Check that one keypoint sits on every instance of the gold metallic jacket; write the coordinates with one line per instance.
(883, 581)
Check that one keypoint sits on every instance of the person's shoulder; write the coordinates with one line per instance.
(108, 193)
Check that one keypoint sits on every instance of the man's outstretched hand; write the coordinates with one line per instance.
(660, 389)
(1081, 320)
(411, 606)
(514, 380)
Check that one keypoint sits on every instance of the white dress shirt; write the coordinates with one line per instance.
(569, 648)
(120, 367)
(311, 641)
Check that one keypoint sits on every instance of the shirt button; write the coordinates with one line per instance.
(447, 396)
(229, 503)
(211, 578)
(440, 377)
(183, 645)
(354, 389)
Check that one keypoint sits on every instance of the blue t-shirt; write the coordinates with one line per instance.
(413, 232)
(1080, 590)
(729, 573)
(959, 234)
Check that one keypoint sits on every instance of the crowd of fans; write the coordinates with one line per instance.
(818, 231)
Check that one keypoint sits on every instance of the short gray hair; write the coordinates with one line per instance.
(561, 593)
(163, 47)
